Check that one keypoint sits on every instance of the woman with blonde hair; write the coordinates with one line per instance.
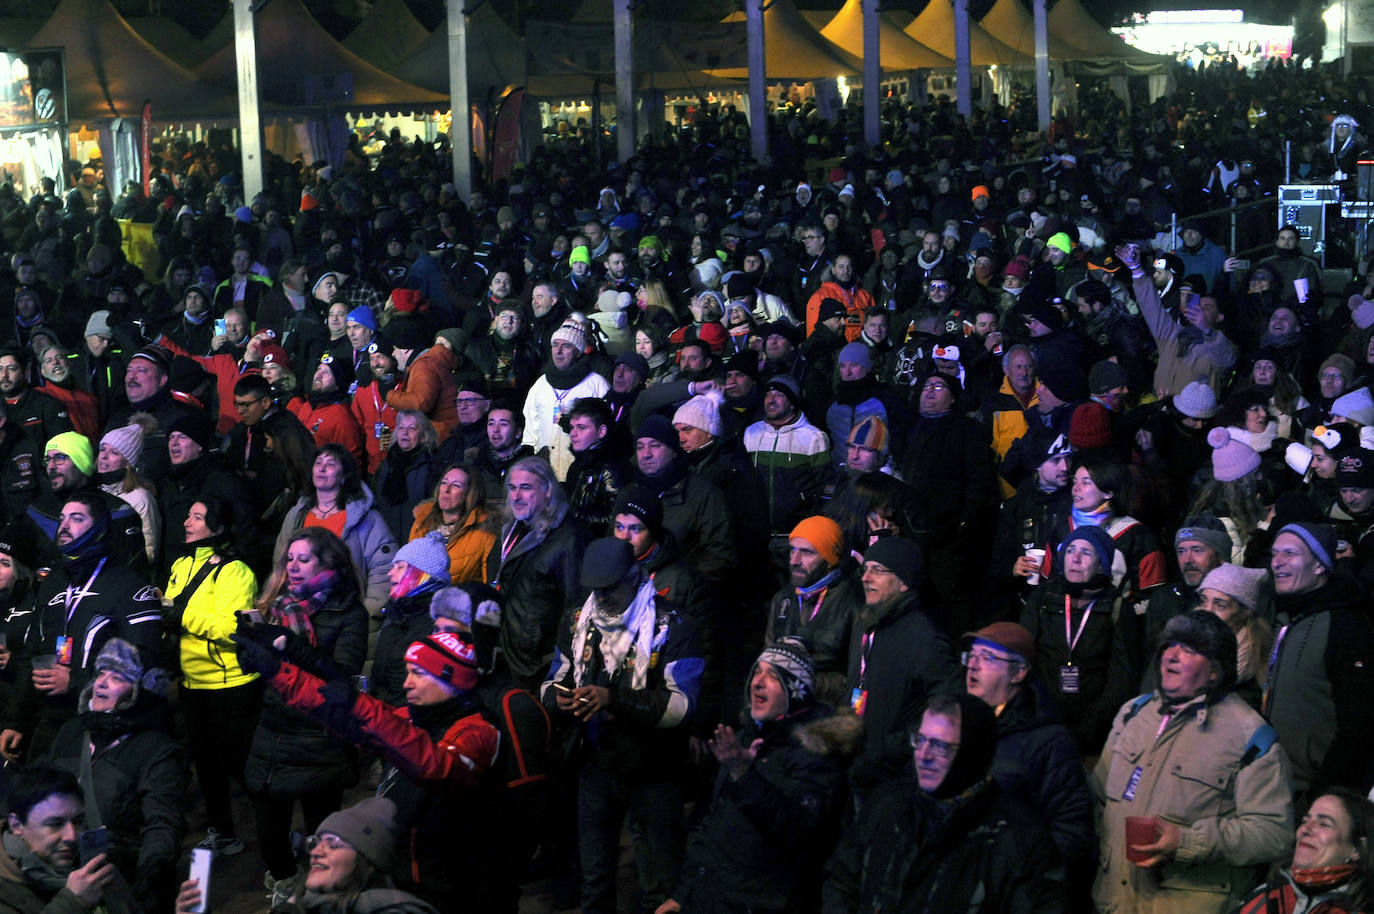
(120, 450)
(458, 513)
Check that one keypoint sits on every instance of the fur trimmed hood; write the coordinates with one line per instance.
(838, 734)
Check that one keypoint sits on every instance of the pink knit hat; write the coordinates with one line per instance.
(1231, 459)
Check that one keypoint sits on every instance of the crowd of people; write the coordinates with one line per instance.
(866, 528)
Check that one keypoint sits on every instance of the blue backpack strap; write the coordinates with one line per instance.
(1260, 742)
(1139, 702)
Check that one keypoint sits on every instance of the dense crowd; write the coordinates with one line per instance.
(941, 534)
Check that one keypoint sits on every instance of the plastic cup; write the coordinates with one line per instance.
(1038, 556)
(44, 661)
(1140, 830)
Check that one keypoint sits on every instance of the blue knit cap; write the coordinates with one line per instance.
(363, 315)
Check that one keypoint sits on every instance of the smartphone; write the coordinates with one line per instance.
(93, 843)
(1242, 263)
(200, 872)
(221, 327)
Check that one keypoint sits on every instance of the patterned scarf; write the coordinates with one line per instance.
(294, 608)
(1093, 517)
(633, 628)
(1315, 878)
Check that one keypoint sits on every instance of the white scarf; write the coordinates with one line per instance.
(619, 633)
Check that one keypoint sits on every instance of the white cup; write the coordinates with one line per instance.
(1038, 556)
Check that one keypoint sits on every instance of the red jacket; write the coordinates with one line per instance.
(81, 408)
(227, 371)
(331, 423)
(465, 751)
(369, 407)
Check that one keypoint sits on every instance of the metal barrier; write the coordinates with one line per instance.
(1232, 210)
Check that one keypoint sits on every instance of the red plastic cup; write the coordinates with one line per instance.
(1140, 830)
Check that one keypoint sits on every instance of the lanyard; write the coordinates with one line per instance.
(512, 538)
(70, 599)
(1273, 667)
(1069, 637)
(817, 608)
(865, 650)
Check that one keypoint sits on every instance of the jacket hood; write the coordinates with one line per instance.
(837, 734)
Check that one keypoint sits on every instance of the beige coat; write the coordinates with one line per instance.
(1236, 817)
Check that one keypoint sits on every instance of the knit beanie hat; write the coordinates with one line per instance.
(98, 324)
(1244, 585)
(786, 385)
(1098, 539)
(570, 333)
(659, 429)
(369, 828)
(791, 662)
(1064, 380)
(745, 362)
(580, 254)
(1017, 267)
(1209, 636)
(1061, 241)
(446, 657)
(17, 541)
(824, 534)
(1106, 375)
(77, 447)
(1197, 401)
(362, 315)
(426, 553)
(857, 353)
(1355, 468)
(126, 441)
(1361, 311)
(1357, 405)
(1090, 427)
(473, 603)
(643, 504)
(124, 659)
(1231, 459)
(900, 556)
(651, 241)
(870, 433)
(1320, 538)
(273, 353)
(703, 412)
(1207, 529)
(197, 426)
(1342, 363)
(606, 562)
(1338, 436)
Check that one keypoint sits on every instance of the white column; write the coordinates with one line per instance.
(1042, 66)
(963, 72)
(460, 130)
(873, 76)
(624, 81)
(758, 94)
(250, 123)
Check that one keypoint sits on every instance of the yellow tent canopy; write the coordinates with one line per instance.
(1010, 23)
(896, 50)
(935, 27)
(793, 49)
(1070, 22)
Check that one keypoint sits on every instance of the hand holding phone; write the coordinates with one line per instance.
(94, 842)
(200, 872)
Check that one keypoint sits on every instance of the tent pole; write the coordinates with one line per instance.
(873, 80)
(460, 128)
(624, 82)
(250, 122)
(963, 72)
(758, 92)
(1042, 66)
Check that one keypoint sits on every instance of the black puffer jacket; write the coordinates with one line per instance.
(766, 836)
(982, 851)
(138, 776)
(1038, 761)
(396, 499)
(292, 755)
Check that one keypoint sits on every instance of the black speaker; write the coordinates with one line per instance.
(1364, 179)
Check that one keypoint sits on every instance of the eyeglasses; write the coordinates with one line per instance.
(333, 842)
(1332, 376)
(469, 400)
(967, 658)
(875, 568)
(937, 746)
(939, 287)
(241, 405)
